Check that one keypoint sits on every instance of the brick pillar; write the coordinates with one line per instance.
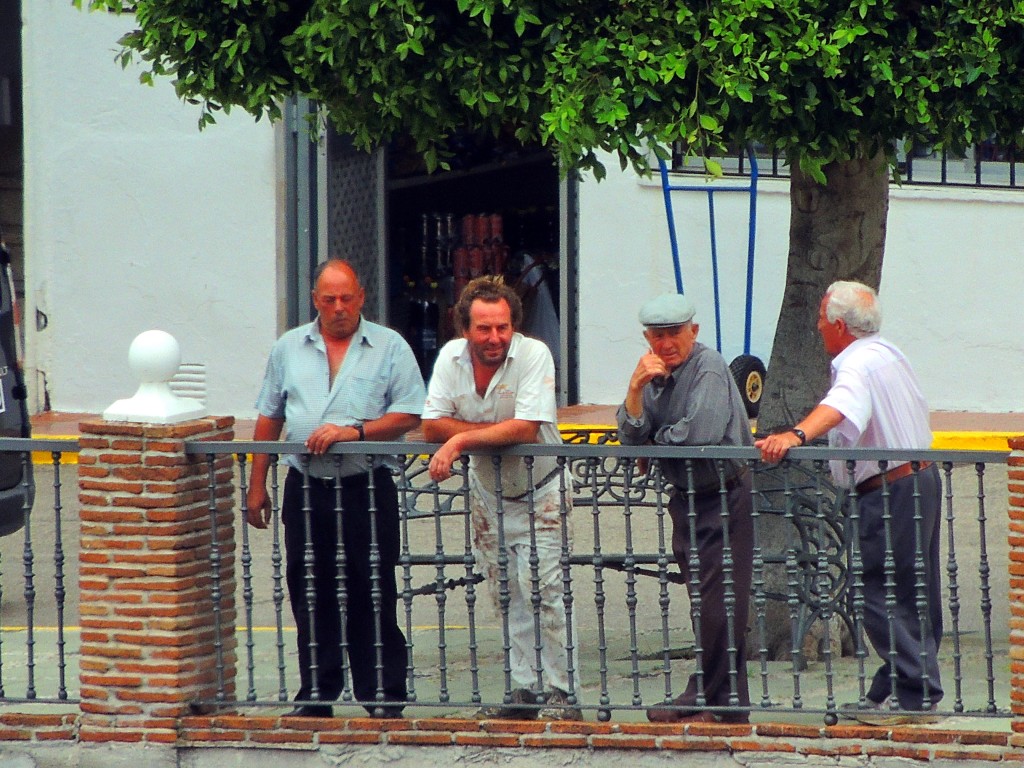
(1016, 566)
(146, 580)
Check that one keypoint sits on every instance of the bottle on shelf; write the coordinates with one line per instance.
(424, 244)
(423, 318)
(499, 248)
(461, 256)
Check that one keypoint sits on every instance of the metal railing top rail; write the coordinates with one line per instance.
(583, 450)
(61, 445)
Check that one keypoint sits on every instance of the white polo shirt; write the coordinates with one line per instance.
(875, 389)
(522, 388)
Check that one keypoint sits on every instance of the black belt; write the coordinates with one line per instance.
(707, 490)
(328, 482)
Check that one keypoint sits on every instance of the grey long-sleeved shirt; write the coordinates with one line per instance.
(697, 404)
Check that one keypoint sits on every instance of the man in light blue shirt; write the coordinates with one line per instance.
(340, 378)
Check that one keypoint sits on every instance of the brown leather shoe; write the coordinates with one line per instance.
(681, 711)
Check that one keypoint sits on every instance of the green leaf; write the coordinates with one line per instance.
(709, 123)
(713, 168)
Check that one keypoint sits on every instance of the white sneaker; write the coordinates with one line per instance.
(882, 713)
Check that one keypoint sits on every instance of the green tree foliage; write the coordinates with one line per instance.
(822, 80)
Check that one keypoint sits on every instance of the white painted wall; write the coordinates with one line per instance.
(950, 283)
(134, 219)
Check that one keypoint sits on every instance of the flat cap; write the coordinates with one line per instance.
(667, 310)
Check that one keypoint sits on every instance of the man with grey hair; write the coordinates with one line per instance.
(875, 402)
(682, 393)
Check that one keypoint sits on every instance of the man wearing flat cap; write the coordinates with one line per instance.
(682, 393)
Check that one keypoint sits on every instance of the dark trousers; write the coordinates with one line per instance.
(713, 619)
(907, 623)
(376, 646)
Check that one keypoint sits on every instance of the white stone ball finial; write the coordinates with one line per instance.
(154, 357)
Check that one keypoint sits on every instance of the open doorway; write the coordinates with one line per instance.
(416, 237)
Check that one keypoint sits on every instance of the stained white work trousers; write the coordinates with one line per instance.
(550, 668)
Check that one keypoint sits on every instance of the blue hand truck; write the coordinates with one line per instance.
(747, 369)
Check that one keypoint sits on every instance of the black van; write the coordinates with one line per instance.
(17, 487)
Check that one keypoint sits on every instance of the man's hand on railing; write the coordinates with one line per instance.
(258, 503)
(775, 447)
(326, 435)
(441, 462)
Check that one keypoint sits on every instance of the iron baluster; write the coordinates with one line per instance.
(28, 558)
(248, 594)
(986, 588)
(953, 572)
(59, 591)
(468, 562)
(215, 585)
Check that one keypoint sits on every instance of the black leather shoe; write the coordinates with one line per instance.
(310, 710)
(391, 712)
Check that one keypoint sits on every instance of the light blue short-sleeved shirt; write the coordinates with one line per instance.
(379, 375)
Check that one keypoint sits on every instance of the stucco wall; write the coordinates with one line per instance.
(136, 220)
(949, 295)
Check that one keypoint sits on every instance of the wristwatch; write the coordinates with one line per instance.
(800, 435)
(360, 430)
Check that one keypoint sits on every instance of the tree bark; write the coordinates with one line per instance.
(837, 232)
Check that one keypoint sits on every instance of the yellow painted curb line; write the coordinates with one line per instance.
(972, 441)
(46, 457)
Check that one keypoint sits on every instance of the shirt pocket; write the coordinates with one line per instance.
(368, 396)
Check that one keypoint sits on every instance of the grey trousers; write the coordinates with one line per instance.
(717, 679)
(915, 635)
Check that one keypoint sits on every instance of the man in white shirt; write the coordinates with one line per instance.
(492, 388)
(875, 402)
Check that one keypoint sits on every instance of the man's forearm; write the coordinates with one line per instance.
(481, 434)
(266, 430)
(445, 428)
(508, 432)
(390, 426)
(819, 421)
(634, 402)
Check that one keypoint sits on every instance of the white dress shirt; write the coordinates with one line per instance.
(875, 389)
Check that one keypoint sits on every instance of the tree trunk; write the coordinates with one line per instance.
(837, 232)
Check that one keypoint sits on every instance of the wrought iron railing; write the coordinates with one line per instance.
(986, 165)
(620, 582)
(634, 635)
(38, 645)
